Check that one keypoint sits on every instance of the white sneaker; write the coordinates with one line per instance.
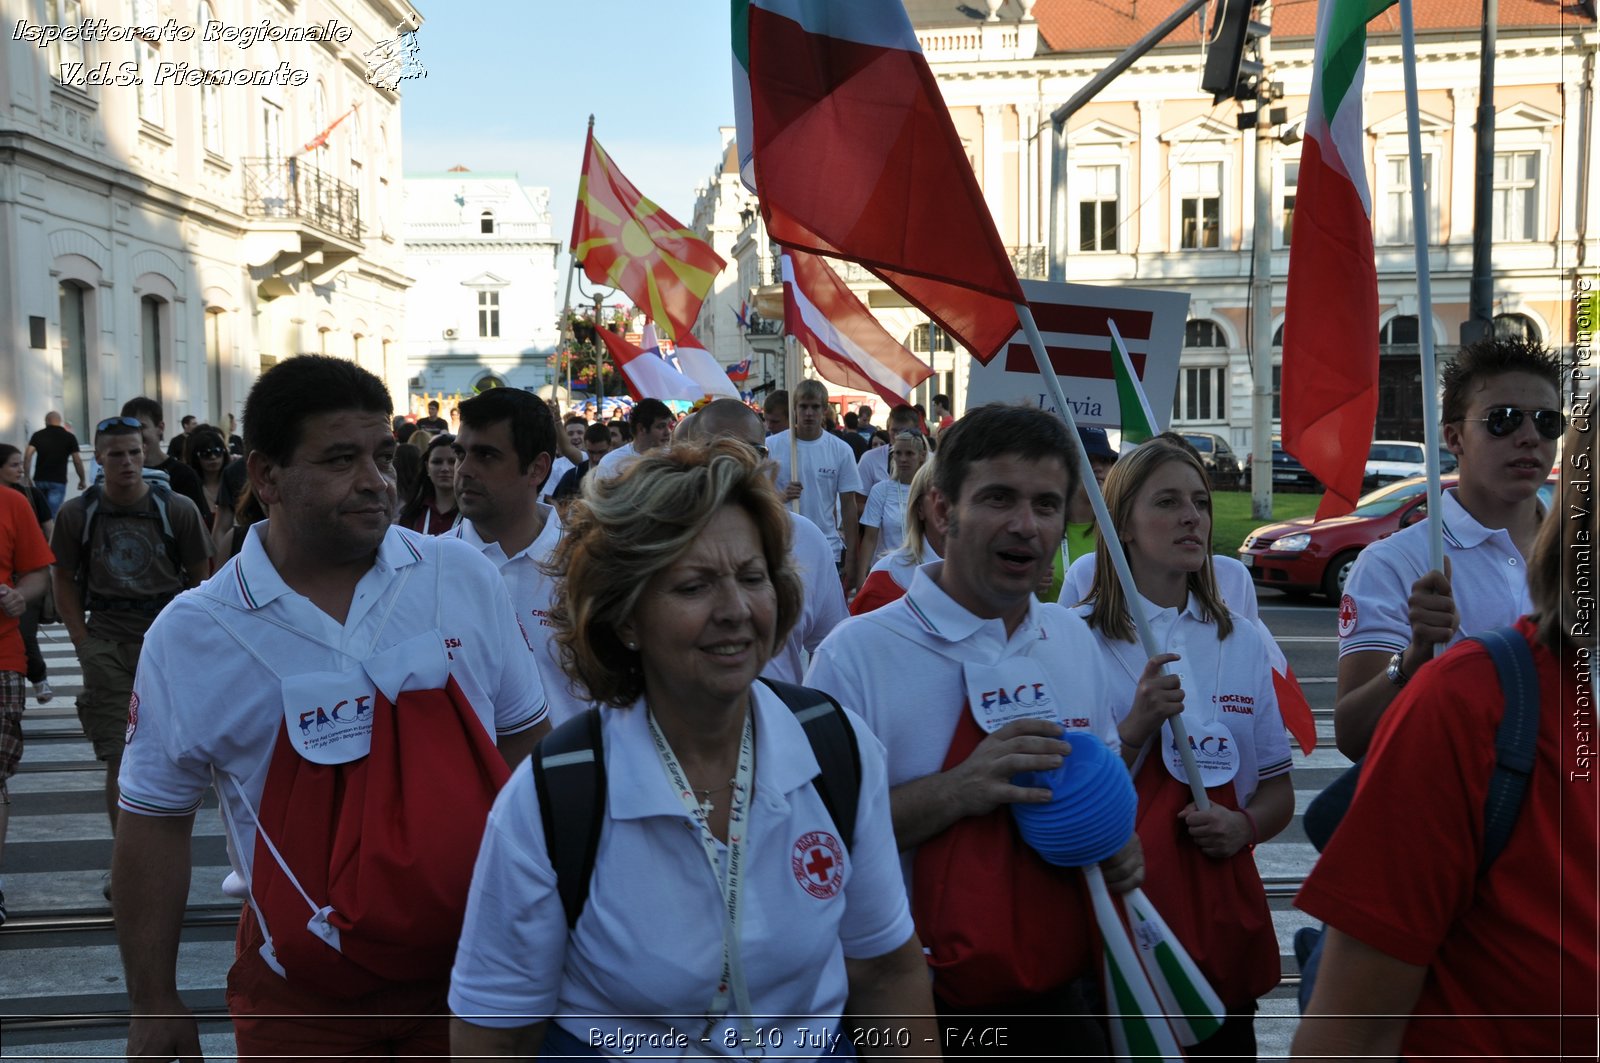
(42, 692)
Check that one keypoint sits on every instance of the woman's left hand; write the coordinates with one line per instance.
(1219, 832)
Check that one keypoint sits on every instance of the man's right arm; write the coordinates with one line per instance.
(150, 866)
(925, 807)
(68, 605)
(1364, 690)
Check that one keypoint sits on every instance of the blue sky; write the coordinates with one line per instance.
(510, 87)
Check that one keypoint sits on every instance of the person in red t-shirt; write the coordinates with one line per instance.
(1424, 956)
(24, 575)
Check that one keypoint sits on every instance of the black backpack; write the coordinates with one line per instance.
(569, 773)
(1515, 740)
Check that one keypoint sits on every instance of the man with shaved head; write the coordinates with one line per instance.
(54, 445)
(813, 558)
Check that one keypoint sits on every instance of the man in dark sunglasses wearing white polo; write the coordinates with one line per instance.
(1502, 418)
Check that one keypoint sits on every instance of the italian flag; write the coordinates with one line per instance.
(1137, 421)
(845, 136)
(1330, 334)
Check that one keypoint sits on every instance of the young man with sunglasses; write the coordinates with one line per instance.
(1502, 418)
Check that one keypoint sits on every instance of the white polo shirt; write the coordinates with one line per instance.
(1488, 578)
(827, 470)
(560, 465)
(531, 594)
(615, 462)
(886, 511)
(203, 702)
(902, 665)
(873, 467)
(1238, 590)
(649, 942)
(1227, 682)
(823, 608)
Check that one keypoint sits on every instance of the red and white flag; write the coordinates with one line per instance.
(648, 375)
(845, 135)
(847, 344)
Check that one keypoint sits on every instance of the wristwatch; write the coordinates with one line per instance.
(1395, 673)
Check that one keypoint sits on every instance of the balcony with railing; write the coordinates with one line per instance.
(291, 190)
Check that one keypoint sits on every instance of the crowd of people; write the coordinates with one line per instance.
(547, 738)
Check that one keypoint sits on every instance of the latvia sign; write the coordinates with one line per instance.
(1072, 319)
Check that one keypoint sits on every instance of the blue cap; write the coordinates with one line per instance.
(1095, 443)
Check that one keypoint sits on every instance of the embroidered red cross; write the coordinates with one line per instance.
(821, 863)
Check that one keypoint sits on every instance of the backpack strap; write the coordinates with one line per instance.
(1514, 740)
(833, 742)
(569, 773)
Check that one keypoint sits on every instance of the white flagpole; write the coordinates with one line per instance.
(1108, 535)
(1419, 237)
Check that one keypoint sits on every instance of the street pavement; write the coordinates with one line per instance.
(62, 993)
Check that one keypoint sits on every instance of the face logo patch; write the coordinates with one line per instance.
(1347, 616)
(818, 864)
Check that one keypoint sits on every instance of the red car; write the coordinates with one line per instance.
(1306, 554)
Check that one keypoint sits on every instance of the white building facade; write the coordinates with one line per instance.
(483, 310)
(171, 220)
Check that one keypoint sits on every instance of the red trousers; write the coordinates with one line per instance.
(274, 1018)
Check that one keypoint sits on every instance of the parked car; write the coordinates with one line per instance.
(1287, 472)
(1306, 554)
(1395, 459)
(1222, 464)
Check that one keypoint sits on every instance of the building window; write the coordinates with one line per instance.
(1401, 331)
(489, 315)
(1291, 185)
(486, 223)
(1098, 207)
(271, 130)
(1395, 225)
(1200, 394)
(65, 13)
(147, 54)
(1515, 327)
(1516, 195)
(74, 300)
(923, 334)
(1200, 205)
(487, 381)
(151, 315)
(1202, 332)
(210, 95)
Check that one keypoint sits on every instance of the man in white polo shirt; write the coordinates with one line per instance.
(344, 684)
(652, 428)
(502, 452)
(826, 482)
(918, 670)
(823, 608)
(1502, 417)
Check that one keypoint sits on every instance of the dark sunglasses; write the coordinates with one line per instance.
(1501, 421)
(211, 452)
(126, 422)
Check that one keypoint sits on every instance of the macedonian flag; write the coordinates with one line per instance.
(628, 242)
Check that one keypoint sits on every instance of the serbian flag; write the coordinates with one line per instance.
(648, 375)
(845, 136)
(628, 242)
(739, 371)
(692, 360)
(1330, 375)
(321, 139)
(847, 344)
(742, 315)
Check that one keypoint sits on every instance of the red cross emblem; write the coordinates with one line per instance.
(817, 860)
(1347, 615)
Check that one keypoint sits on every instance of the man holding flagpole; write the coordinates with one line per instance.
(1502, 417)
(824, 478)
